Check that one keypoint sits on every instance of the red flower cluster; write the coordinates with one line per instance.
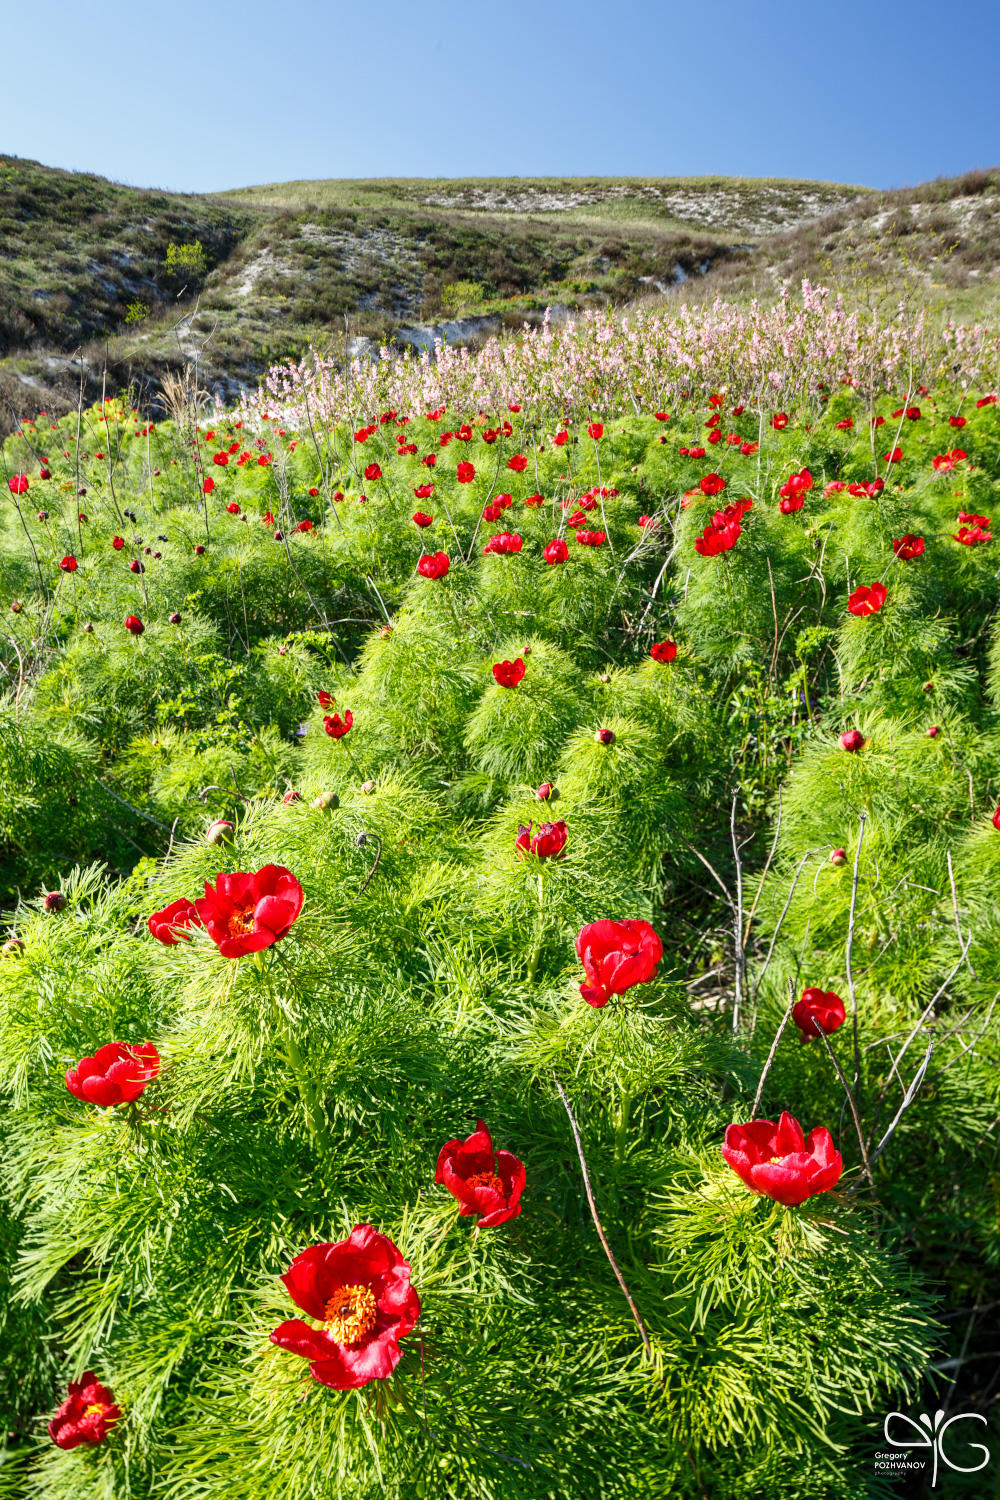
(172, 923)
(908, 547)
(505, 541)
(247, 912)
(433, 565)
(336, 727)
(509, 673)
(86, 1416)
(777, 1160)
(549, 842)
(943, 463)
(972, 529)
(818, 1010)
(723, 530)
(116, 1074)
(358, 1291)
(793, 492)
(867, 599)
(483, 1182)
(591, 538)
(615, 956)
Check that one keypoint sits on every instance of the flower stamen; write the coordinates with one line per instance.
(350, 1314)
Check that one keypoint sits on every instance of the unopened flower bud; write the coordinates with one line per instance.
(604, 737)
(368, 787)
(547, 792)
(54, 901)
(838, 857)
(219, 832)
(11, 946)
(326, 801)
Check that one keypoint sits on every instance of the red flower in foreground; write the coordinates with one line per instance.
(373, 472)
(421, 518)
(358, 1291)
(591, 538)
(116, 1074)
(517, 464)
(779, 1162)
(509, 673)
(68, 564)
(134, 625)
(957, 421)
(663, 650)
(18, 484)
(208, 486)
(169, 925)
(818, 1006)
(465, 473)
(894, 456)
(483, 1182)
(549, 841)
(996, 820)
(336, 727)
(86, 1416)
(433, 565)
(852, 740)
(867, 600)
(711, 484)
(970, 536)
(615, 956)
(556, 551)
(908, 547)
(595, 430)
(248, 912)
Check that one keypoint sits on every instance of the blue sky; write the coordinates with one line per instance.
(198, 97)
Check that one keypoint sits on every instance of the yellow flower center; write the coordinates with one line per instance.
(96, 1409)
(773, 1160)
(350, 1314)
(241, 921)
(485, 1179)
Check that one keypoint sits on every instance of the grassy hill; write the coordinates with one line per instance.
(85, 263)
(88, 289)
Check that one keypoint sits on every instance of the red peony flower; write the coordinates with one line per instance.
(908, 547)
(595, 430)
(304, 526)
(116, 1074)
(779, 1162)
(548, 842)
(118, 543)
(373, 472)
(465, 473)
(170, 924)
(996, 820)
(423, 491)
(845, 426)
(18, 484)
(509, 673)
(591, 538)
(324, 699)
(780, 421)
(867, 600)
(483, 1182)
(615, 956)
(711, 484)
(68, 564)
(86, 1416)
(314, 492)
(336, 727)
(818, 1008)
(248, 912)
(134, 625)
(517, 464)
(420, 518)
(894, 456)
(986, 401)
(556, 551)
(663, 651)
(505, 542)
(852, 740)
(433, 565)
(359, 1293)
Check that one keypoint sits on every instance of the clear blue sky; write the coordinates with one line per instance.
(203, 96)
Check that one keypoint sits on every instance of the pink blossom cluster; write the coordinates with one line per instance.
(642, 359)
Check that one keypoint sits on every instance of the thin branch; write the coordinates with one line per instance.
(597, 1223)
(771, 1054)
